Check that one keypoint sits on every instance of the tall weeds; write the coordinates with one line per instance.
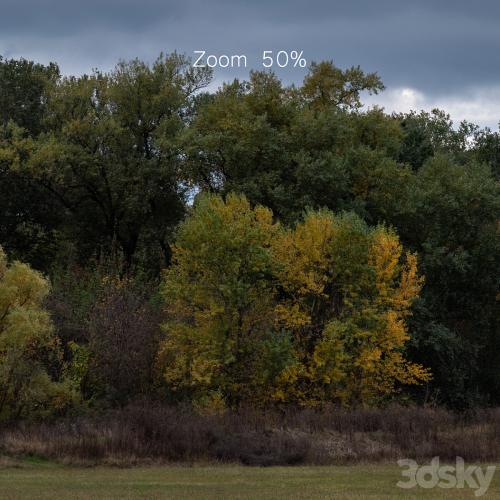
(142, 433)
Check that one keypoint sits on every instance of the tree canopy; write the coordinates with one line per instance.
(289, 222)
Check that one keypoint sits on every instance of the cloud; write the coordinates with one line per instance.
(436, 48)
(480, 105)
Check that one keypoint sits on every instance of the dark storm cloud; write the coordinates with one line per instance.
(53, 18)
(435, 46)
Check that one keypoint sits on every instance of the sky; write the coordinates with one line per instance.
(440, 53)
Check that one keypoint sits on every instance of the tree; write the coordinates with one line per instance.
(326, 86)
(284, 150)
(123, 337)
(29, 349)
(24, 90)
(28, 217)
(259, 313)
(427, 134)
(486, 149)
(347, 292)
(220, 343)
(344, 162)
(237, 141)
(450, 217)
(110, 157)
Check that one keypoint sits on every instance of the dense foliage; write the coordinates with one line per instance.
(261, 313)
(29, 349)
(289, 222)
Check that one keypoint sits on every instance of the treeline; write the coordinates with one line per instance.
(262, 244)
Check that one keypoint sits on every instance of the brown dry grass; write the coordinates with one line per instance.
(145, 434)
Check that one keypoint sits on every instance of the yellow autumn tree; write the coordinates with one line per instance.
(28, 346)
(347, 290)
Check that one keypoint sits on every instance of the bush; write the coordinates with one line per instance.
(109, 323)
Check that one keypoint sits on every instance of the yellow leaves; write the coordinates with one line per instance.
(22, 319)
(303, 256)
(411, 283)
(189, 354)
(395, 329)
(415, 374)
(26, 341)
(291, 316)
(303, 267)
(20, 286)
(24, 329)
(340, 289)
(369, 357)
(384, 256)
(355, 287)
(328, 359)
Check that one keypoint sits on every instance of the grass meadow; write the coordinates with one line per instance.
(47, 480)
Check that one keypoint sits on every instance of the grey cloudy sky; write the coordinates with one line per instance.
(443, 53)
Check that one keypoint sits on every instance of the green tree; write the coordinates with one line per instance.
(450, 216)
(28, 217)
(486, 149)
(237, 141)
(281, 148)
(220, 344)
(427, 134)
(110, 156)
(326, 86)
(24, 92)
